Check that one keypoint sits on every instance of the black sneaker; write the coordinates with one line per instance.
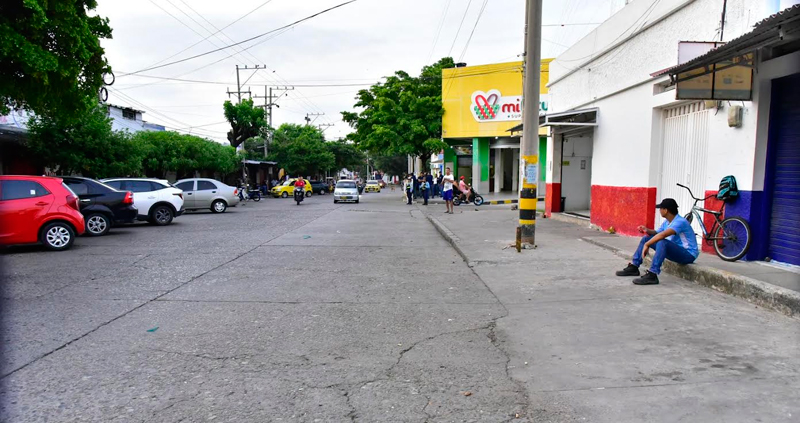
(649, 278)
(631, 270)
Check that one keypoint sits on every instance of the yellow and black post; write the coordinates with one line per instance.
(529, 145)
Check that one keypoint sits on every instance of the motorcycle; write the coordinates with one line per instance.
(299, 194)
(473, 196)
(254, 194)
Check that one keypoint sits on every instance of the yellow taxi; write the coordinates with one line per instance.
(286, 189)
(372, 186)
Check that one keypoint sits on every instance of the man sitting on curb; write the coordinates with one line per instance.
(674, 240)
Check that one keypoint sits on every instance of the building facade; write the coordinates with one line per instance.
(482, 105)
(130, 119)
(622, 137)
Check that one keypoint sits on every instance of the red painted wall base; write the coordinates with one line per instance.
(623, 208)
(708, 220)
(552, 199)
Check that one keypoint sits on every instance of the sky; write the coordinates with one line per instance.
(327, 58)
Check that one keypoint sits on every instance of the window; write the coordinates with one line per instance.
(78, 187)
(205, 185)
(346, 184)
(138, 186)
(185, 186)
(115, 184)
(15, 190)
(155, 186)
(129, 114)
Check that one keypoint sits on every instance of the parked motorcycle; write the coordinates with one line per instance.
(299, 195)
(473, 196)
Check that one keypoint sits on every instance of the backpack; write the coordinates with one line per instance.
(728, 191)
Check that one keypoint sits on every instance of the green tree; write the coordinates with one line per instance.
(392, 165)
(51, 61)
(246, 121)
(402, 115)
(346, 155)
(86, 145)
(301, 150)
(169, 151)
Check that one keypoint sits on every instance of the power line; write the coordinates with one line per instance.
(483, 7)
(204, 39)
(458, 31)
(439, 29)
(246, 40)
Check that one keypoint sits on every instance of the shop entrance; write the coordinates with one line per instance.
(576, 173)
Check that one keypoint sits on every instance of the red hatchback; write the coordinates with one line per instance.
(38, 209)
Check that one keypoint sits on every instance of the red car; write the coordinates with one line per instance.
(38, 209)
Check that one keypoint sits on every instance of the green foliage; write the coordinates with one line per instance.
(301, 150)
(391, 165)
(84, 145)
(254, 148)
(51, 61)
(246, 121)
(346, 155)
(402, 115)
(165, 151)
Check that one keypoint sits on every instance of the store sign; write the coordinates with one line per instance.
(493, 107)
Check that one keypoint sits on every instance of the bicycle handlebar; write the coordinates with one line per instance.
(690, 192)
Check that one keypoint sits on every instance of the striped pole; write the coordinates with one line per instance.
(529, 145)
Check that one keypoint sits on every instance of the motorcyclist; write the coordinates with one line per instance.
(465, 190)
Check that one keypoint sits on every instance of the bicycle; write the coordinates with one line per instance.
(731, 236)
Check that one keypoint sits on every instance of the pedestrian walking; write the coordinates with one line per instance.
(429, 180)
(439, 184)
(409, 188)
(447, 190)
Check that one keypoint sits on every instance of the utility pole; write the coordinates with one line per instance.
(239, 91)
(324, 125)
(269, 101)
(309, 121)
(529, 146)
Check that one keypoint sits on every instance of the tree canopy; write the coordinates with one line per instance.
(301, 149)
(84, 145)
(165, 151)
(402, 115)
(246, 121)
(51, 61)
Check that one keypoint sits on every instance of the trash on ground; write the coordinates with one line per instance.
(153, 329)
(306, 236)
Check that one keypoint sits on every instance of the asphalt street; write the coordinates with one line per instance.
(268, 312)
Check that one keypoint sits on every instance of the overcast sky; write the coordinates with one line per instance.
(356, 44)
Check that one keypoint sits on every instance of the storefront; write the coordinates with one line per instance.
(727, 107)
(482, 104)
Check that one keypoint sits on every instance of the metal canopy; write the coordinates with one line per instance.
(582, 118)
(779, 29)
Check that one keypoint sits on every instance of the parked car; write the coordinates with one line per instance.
(158, 202)
(372, 186)
(38, 209)
(102, 206)
(286, 189)
(346, 190)
(319, 187)
(203, 193)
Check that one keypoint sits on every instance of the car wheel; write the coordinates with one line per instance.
(335, 201)
(308, 193)
(356, 201)
(322, 192)
(284, 194)
(57, 236)
(97, 224)
(219, 206)
(161, 216)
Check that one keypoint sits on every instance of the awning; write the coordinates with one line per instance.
(781, 30)
(579, 118)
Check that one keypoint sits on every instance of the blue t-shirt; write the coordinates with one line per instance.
(684, 234)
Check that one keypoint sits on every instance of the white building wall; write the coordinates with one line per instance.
(610, 69)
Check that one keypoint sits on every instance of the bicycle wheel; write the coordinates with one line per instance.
(733, 239)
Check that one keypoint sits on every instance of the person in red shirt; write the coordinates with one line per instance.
(300, 183)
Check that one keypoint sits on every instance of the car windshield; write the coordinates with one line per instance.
(346, 184)
(372, 182)
(287, 183)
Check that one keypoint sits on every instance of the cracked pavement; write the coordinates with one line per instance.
(243, 317)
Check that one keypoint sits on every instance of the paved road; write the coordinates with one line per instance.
(269, 312)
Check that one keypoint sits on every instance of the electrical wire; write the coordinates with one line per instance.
(458, 31)
(439, 29)
(246, 40)
(466, 46)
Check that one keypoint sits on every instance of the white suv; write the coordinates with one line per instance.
(158, 201)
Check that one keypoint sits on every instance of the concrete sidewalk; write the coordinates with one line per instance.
(590, 346)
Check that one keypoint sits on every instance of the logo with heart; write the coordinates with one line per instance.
(485, 106)
(491, 106)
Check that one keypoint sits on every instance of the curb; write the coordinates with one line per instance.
(448, 236)
(754, 291)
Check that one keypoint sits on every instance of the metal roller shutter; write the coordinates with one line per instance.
(784, 241)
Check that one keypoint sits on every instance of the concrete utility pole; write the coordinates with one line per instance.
(269, 101)
(309, 121)
(529, 145)
(239, 91)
